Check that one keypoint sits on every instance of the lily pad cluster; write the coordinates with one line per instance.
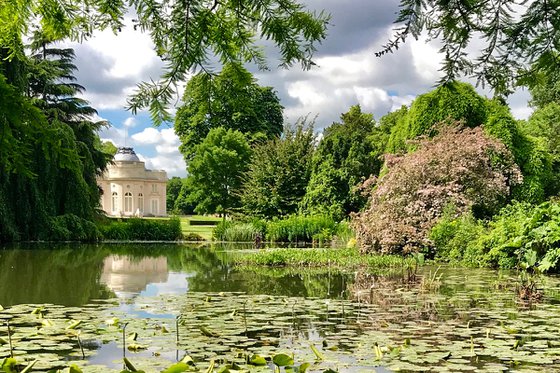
(471, 323)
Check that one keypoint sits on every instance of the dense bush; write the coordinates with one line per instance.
(453, 239)
(299, 228)
(294, 228)
(519, 232)
(233, 231)
(141, 229)
(70, 227)
(459, 167)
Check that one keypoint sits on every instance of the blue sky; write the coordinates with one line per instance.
(347, 73)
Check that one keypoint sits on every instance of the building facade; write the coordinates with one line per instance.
(129, 189)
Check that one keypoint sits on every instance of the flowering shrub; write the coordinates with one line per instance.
(459, 167)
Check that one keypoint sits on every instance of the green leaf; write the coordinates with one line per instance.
(9, 365)
(177, 368)
(282, 360)
(257, 360)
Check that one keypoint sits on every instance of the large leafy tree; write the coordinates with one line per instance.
(216, 170)
(345, 157)
(519, 38)
(187, 35)
(48, 190)
(279, 173)
(173, 190)
(232, 100)
(456, 101)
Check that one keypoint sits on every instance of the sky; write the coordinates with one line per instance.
(347, 73)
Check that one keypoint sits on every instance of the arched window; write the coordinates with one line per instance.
(114, 202)
(141, 202)
(128, 202)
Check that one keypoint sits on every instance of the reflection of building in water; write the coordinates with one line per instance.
(127, 276)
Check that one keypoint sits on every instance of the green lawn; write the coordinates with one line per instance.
(205, 230)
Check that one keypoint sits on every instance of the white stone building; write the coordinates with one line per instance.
(129, 189)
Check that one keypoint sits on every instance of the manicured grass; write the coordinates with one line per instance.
(204, 231)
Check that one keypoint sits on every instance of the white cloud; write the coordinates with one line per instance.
(149, 135)
(166, 144)
(130, 122)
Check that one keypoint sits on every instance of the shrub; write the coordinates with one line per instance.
(518, 232)
(70, 227)
(142, 229)
(459, 167)
(298, 228)
(452, 238)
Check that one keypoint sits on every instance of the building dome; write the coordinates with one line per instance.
(126, 154)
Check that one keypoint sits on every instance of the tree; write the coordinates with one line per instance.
(345, 157)
(450, 102)
(216, 170)
(182, 204)
(544, 123)
(232, 100)
(520, 39)
(173, 190)
(462, 169)
(48, 185)
(278, 173)
(458, 101)
(185, 34)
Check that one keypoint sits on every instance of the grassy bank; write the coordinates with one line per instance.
(202, 226)
(319, 257)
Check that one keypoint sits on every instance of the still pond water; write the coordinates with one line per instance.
(69, 305)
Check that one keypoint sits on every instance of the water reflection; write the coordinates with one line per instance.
(73, 275)
(128, 276)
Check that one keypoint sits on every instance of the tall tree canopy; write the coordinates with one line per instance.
(519, 38)
(347, 155)
(186, 34)
(232, 100)
(216, 171)
(50, 160)
(279, 172)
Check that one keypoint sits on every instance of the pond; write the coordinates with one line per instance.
(92, 305)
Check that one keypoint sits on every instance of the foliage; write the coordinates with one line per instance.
(184, 35)
(135, 229)
(453, 237)
(278, 173)
(346, 258)
(299, 228)
(521, 236)
(456, 101)
(544, 88)
(54, 171)
(529, 152)
(216, 170)
(232, 231)
(345, 157)
(545, 123)
(173, 190)
(451, 102)
(70, 227)
(519, 40)
(182, 204)
(459, 167)
(231, 99)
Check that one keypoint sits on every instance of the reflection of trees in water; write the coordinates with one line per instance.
(71, 274)
(67, 275)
